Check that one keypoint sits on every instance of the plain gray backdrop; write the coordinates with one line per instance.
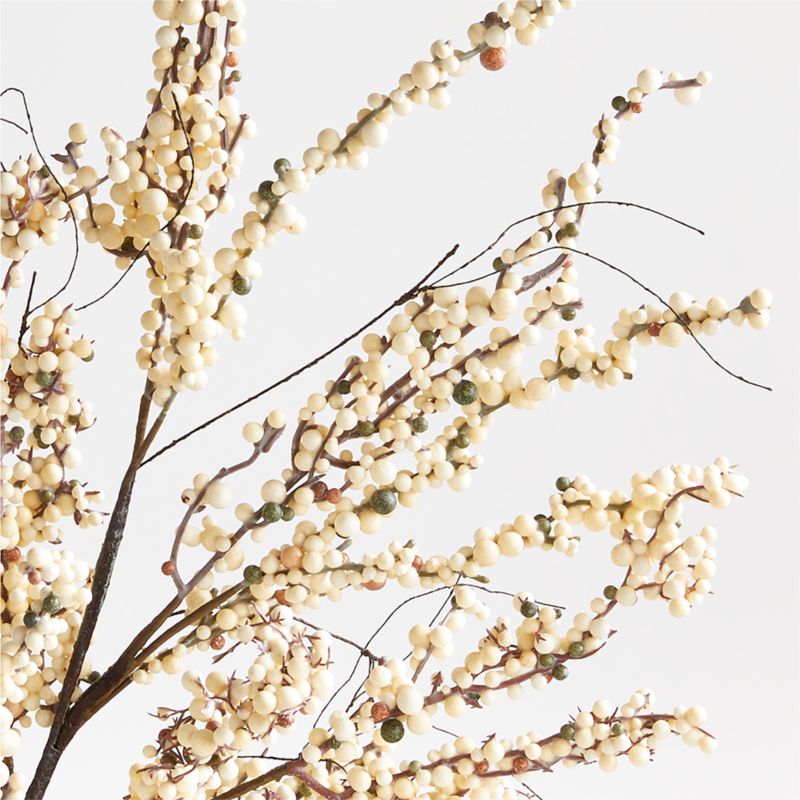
(728, 164)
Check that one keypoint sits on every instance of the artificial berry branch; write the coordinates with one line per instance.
(407, 413)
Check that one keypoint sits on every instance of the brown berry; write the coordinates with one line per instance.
(168, 568)
(520, 764)
(218, 642)
(320, 491)
(34, 576)
(374, 585)
(333, 496)
(482, 767)
(232, 60)
(11, 555)
(494, 58)
(654, 328)
(636, 108)
(417, 562)
(380, 712)
(492, 18)
(280, 596)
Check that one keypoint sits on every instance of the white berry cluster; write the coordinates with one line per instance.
(353, 754)
(31, 208)
(45, 592)
(42, 416)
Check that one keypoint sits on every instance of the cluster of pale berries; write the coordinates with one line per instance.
(31, 208)
(230, 715)
(42, 415)
(532, 652)
(46, 593)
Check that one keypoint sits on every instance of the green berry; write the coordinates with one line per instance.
(598, 187)
(547, 660)
(31, 619)
(236, 76)
(618, 103)
(543, 524)
(383, 501)
(195, 231)
(560, 672)
(528, 609)
(610, 592)
(265, 191)
(461, 441)
(281, 165)
(272, 512)
(560, 234)
(576, 649)
(127, 244)
(572, 229)
(573, 373)
(241, 284)
(288, 514)
(427, 339)
(567, 732)
(343, 386)
(253, 573)
(365, 428)
(334, 743)
(617, 729)
(51, 604)
(93, 676)
(419, 424)
(414, 767)
(392, 730)
(568, 314)
(46, 496)
(45, 378)
(563, 483)
(465, 392)
(498, 265)
(88, 358)
(16, 434)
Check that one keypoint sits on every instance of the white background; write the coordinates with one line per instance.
(728, 165)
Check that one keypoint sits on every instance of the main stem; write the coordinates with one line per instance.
(60, 733)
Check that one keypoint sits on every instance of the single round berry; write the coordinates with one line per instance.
(236, 76)
(573, 373)
(272, 512)
(343, 386)
(636, 108)
(217, 642)
(127, 244)
(543, 524)
(16, 434)
(576, 649)
(253, 573)
(241, 284)
(567, 731)
(654, 328)
(168, 568)
(30, 619)
(414, 767)
(419, 424)
(568, 314)
(494, 58)
(497, 264)
(334, 496)
(334, 743)
(618, 103)
(547, 660)
(51, 604)
(320, 489)
(12, 555)
(383, 501)
(427, 339)
(288, 514)
(265, 191)
(461, 441)
(610, 592)
(195, 231)
(45, 379)
(617, 729)
(365, 427)
(572, 229)
(465, 392)
(528, 609)
(563, 483)
(93, 676)
(46, 496)
(392, 730)
(281, 165)
(560, 672)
